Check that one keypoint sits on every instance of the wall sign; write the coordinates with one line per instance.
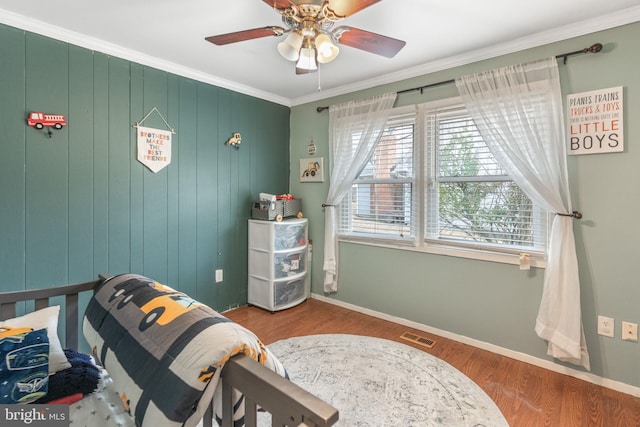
(154, 145)
(595, 121)
(312, 169)
(154, 148)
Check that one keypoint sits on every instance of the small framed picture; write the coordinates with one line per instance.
(312, 170)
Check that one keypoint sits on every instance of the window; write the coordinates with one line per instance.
(456, 196)
(381, 202)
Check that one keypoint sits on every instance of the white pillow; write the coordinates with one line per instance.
(45, 318)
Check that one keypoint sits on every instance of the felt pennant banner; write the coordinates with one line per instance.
(154, 148)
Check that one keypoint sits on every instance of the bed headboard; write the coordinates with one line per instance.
(9, 300)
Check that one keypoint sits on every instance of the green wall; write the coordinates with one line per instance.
(79, 203)
(497, 303)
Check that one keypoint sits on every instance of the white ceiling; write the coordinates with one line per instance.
(169, 34)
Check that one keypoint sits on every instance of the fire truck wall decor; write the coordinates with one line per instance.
(41, 120)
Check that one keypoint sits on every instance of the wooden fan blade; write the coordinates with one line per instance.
(240, 36)
(371, 42)
(348, 7)
(278, 4)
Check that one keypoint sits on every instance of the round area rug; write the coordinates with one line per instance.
(378, 382)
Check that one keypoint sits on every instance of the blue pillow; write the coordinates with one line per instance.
(24, 365)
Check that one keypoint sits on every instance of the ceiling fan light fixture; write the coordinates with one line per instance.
(289, 48)
(327, 50)
(307, 62)
(311, 37)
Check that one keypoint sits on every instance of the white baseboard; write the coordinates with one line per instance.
(523, 357)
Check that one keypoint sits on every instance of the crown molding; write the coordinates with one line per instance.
(616, 19)
(590, 26)
(98, 45)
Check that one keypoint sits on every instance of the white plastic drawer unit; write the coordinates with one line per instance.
(277, 263)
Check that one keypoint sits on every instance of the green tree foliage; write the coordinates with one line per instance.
(494, 211)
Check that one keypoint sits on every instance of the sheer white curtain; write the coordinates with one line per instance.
(518, 110)
(355, 128)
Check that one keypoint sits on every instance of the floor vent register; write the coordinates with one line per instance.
(423, 341)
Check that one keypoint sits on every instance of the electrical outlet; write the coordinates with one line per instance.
(219, 276)
(605, 326)
(630, 331)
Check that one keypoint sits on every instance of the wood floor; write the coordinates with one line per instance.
(527, 395)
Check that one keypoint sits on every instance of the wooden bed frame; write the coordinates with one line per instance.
(289, 404)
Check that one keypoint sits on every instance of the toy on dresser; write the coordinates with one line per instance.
(271, 207)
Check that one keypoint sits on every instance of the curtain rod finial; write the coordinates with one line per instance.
(595, 48)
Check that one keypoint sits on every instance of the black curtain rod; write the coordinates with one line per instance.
(595, 48)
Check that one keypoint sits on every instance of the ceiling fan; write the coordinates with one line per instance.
(311, 35)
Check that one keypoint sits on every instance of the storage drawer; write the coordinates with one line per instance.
(277, 265)
(290, 236)
(289, 263)
(277, 295)
(278, 236)
(289, 292)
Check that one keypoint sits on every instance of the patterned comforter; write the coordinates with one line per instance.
(164, 350)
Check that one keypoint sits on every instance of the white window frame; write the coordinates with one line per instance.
(423, 175)
(377, 239)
